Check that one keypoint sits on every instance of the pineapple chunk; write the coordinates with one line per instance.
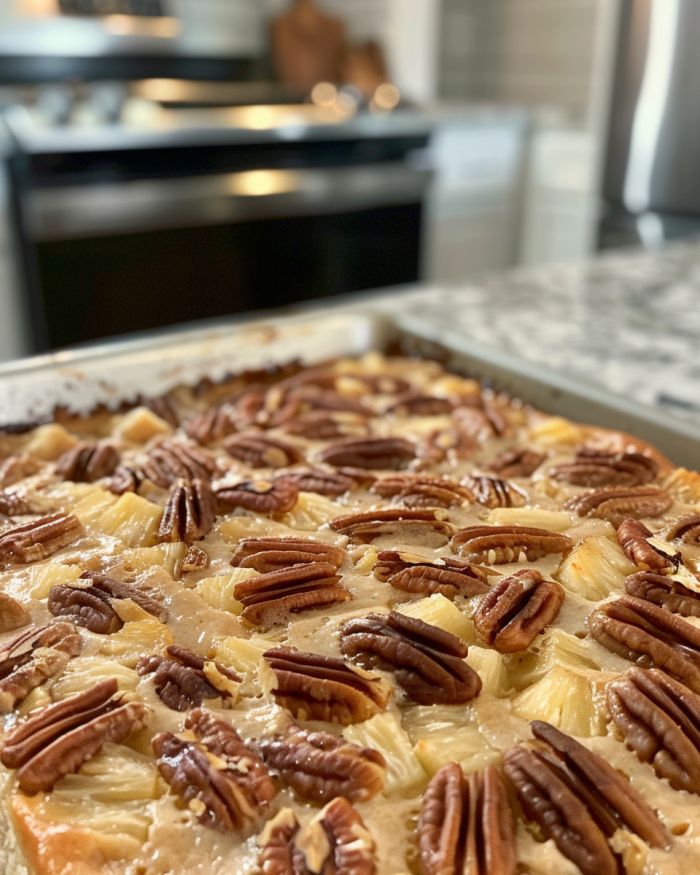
(555, 431)
(135, 639)
(117, 774)
(140, 425)
(594, 569)
(449, 743)
(311, 512)
(217, 591)
(440, 611)
(235, 527)
(365, 558)
(93, 504)
(133, 519)
(42, 577)
(491, 668)
(84, 672)
(50, 441)
(383, 732)
(166, 555)
(245, 657)
(558, 648)
(684, 485)
(552, 520)
(566, 698)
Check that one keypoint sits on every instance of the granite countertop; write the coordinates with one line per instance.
(628, 321)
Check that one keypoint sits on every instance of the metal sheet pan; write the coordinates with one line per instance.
(116, 372)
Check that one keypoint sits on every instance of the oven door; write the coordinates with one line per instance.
(115, 258)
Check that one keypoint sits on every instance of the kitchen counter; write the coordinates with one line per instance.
(628, 322)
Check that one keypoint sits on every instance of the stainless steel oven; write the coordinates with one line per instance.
(128, 230)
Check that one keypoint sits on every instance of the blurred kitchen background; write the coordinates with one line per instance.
(166, 160)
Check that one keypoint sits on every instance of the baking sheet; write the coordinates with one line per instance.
(117, 372)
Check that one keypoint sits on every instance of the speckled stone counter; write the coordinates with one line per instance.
(628, 321)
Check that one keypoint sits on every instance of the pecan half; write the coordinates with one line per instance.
(162, 406)
(39, 539)
(334, 842)
(12, 614)
(323, 425)
(616, 505)
(419, 491)
(650, 636)
(427, 662)
(632, 536)
(401, 523)
(271, 554)
(125, 479)
(184, 680)
(262, 451)
(391, 453)
(480, 423)
(91, 605)
(221, 779)
(660, 721)
(466, 824)
(326, 481)
(592, 467)
(263, 496)
(36, 655)
(189, 513)
(517, 463)
(448, 577)
(57, 740)
(495, 492)
(85, 463)
(18, 467)
(329, 400)
(417, 404)
(271, 597)
(173, 460)
(685, 529)
(214, 424)
(13, 504)
(663, 591)
(578, 800)
(319, 766)
(497, 545)
(446, 442)
(314, 687)
(514, 612)
(195, 559)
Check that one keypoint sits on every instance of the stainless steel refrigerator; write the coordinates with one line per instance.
(652, 173)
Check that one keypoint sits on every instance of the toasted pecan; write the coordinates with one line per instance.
(189, 513)
(619, 504)
(659, 719)
(578, 800)
(664, 591)
(221, 779)
(415, 490)
(447, 577)
(404, 524)
(314, 687)
(319, 766)
(262, 496)
(427, 662)
(517, 609)
(686, 529)
(271, 554)
(59, 739)
(328, 481)
(378, 453)
(495, 492)
(184, 680)
(596, 468)
(496, 545)
(262, 451)
(174, 460)
(632, 536)
(85, 463)
(39, 539)
(649, 635)
(466, 824)
(517, 463)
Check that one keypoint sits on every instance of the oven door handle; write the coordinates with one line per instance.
(253, 195)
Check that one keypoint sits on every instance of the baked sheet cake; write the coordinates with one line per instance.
(366, 617)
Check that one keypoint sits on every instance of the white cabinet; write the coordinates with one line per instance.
(473, 213)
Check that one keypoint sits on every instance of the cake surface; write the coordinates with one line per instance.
(366, 617)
